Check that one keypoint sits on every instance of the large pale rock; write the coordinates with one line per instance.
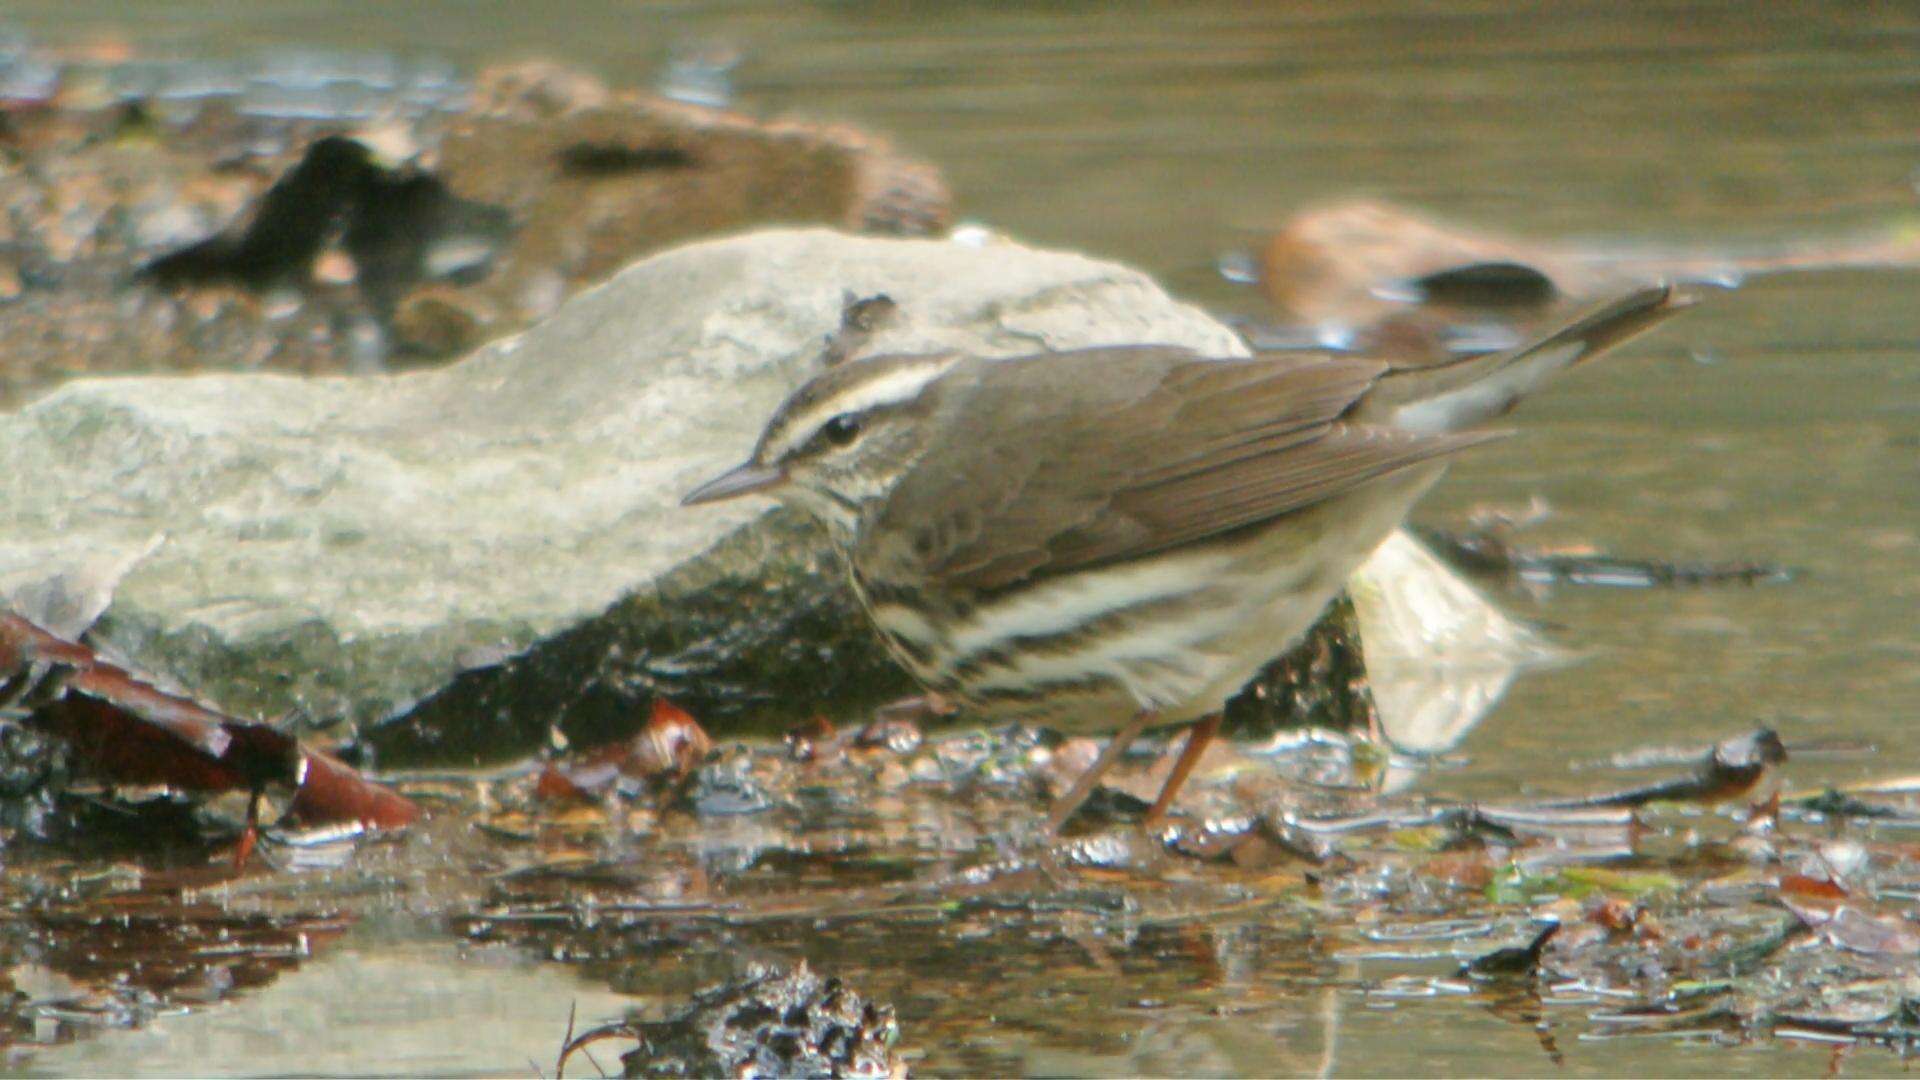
(343, 547)
(354, 548)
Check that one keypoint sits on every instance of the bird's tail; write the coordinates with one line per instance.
(1455, 394)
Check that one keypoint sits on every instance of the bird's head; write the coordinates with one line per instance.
(842, 441)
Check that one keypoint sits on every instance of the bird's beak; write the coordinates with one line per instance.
(739, 480)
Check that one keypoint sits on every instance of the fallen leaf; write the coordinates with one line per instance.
(1810, 888)
(671, 744)
(127, 731)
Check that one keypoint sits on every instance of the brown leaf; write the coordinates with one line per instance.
(116, 745)
(127, 731)
(330, 792)
(672, 743)
(1810, 888)
(1614, 913)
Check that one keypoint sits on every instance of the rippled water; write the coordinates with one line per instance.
(1780, 423)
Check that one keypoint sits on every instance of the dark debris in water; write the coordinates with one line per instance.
(1491, 553)
(769, 1021)
(672, 641)
(1604, 918)
(1736, 769)
(391, 223)
(1514, 960)
(911, 866)
(355, 213)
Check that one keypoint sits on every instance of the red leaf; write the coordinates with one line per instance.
(1810, 888)
(672, 742)
(330, 792)
(121, 748)
(127, 731)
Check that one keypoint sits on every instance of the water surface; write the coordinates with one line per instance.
(1778, 424)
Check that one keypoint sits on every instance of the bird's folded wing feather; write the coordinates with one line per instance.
(1162, 448)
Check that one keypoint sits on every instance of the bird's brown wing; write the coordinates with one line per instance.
(1102, 455)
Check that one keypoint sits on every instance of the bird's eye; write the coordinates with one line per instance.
(842, 429)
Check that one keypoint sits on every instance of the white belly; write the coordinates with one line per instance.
(1280, 582)
(1182, 656)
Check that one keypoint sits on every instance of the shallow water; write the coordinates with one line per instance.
(1780, 423)
(428, 1008)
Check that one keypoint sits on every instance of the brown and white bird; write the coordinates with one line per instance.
(1115, 538)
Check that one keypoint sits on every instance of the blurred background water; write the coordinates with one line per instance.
(1779, 423)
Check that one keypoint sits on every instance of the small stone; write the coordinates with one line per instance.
(173, 223)
(439, 321)
(394, 142)
(334, 267)
(728, 787)
(281, 305)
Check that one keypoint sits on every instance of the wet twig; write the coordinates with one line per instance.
(1489, 554)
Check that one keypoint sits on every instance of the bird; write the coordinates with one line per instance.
(1117, 538)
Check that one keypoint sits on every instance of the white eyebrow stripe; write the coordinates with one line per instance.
(901, 384)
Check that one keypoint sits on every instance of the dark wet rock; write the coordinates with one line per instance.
(1372, 272)
(771, 1022)
(323, 217)
(1514, 961)
(1321, 683)
(801, 634)
(33, 767)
